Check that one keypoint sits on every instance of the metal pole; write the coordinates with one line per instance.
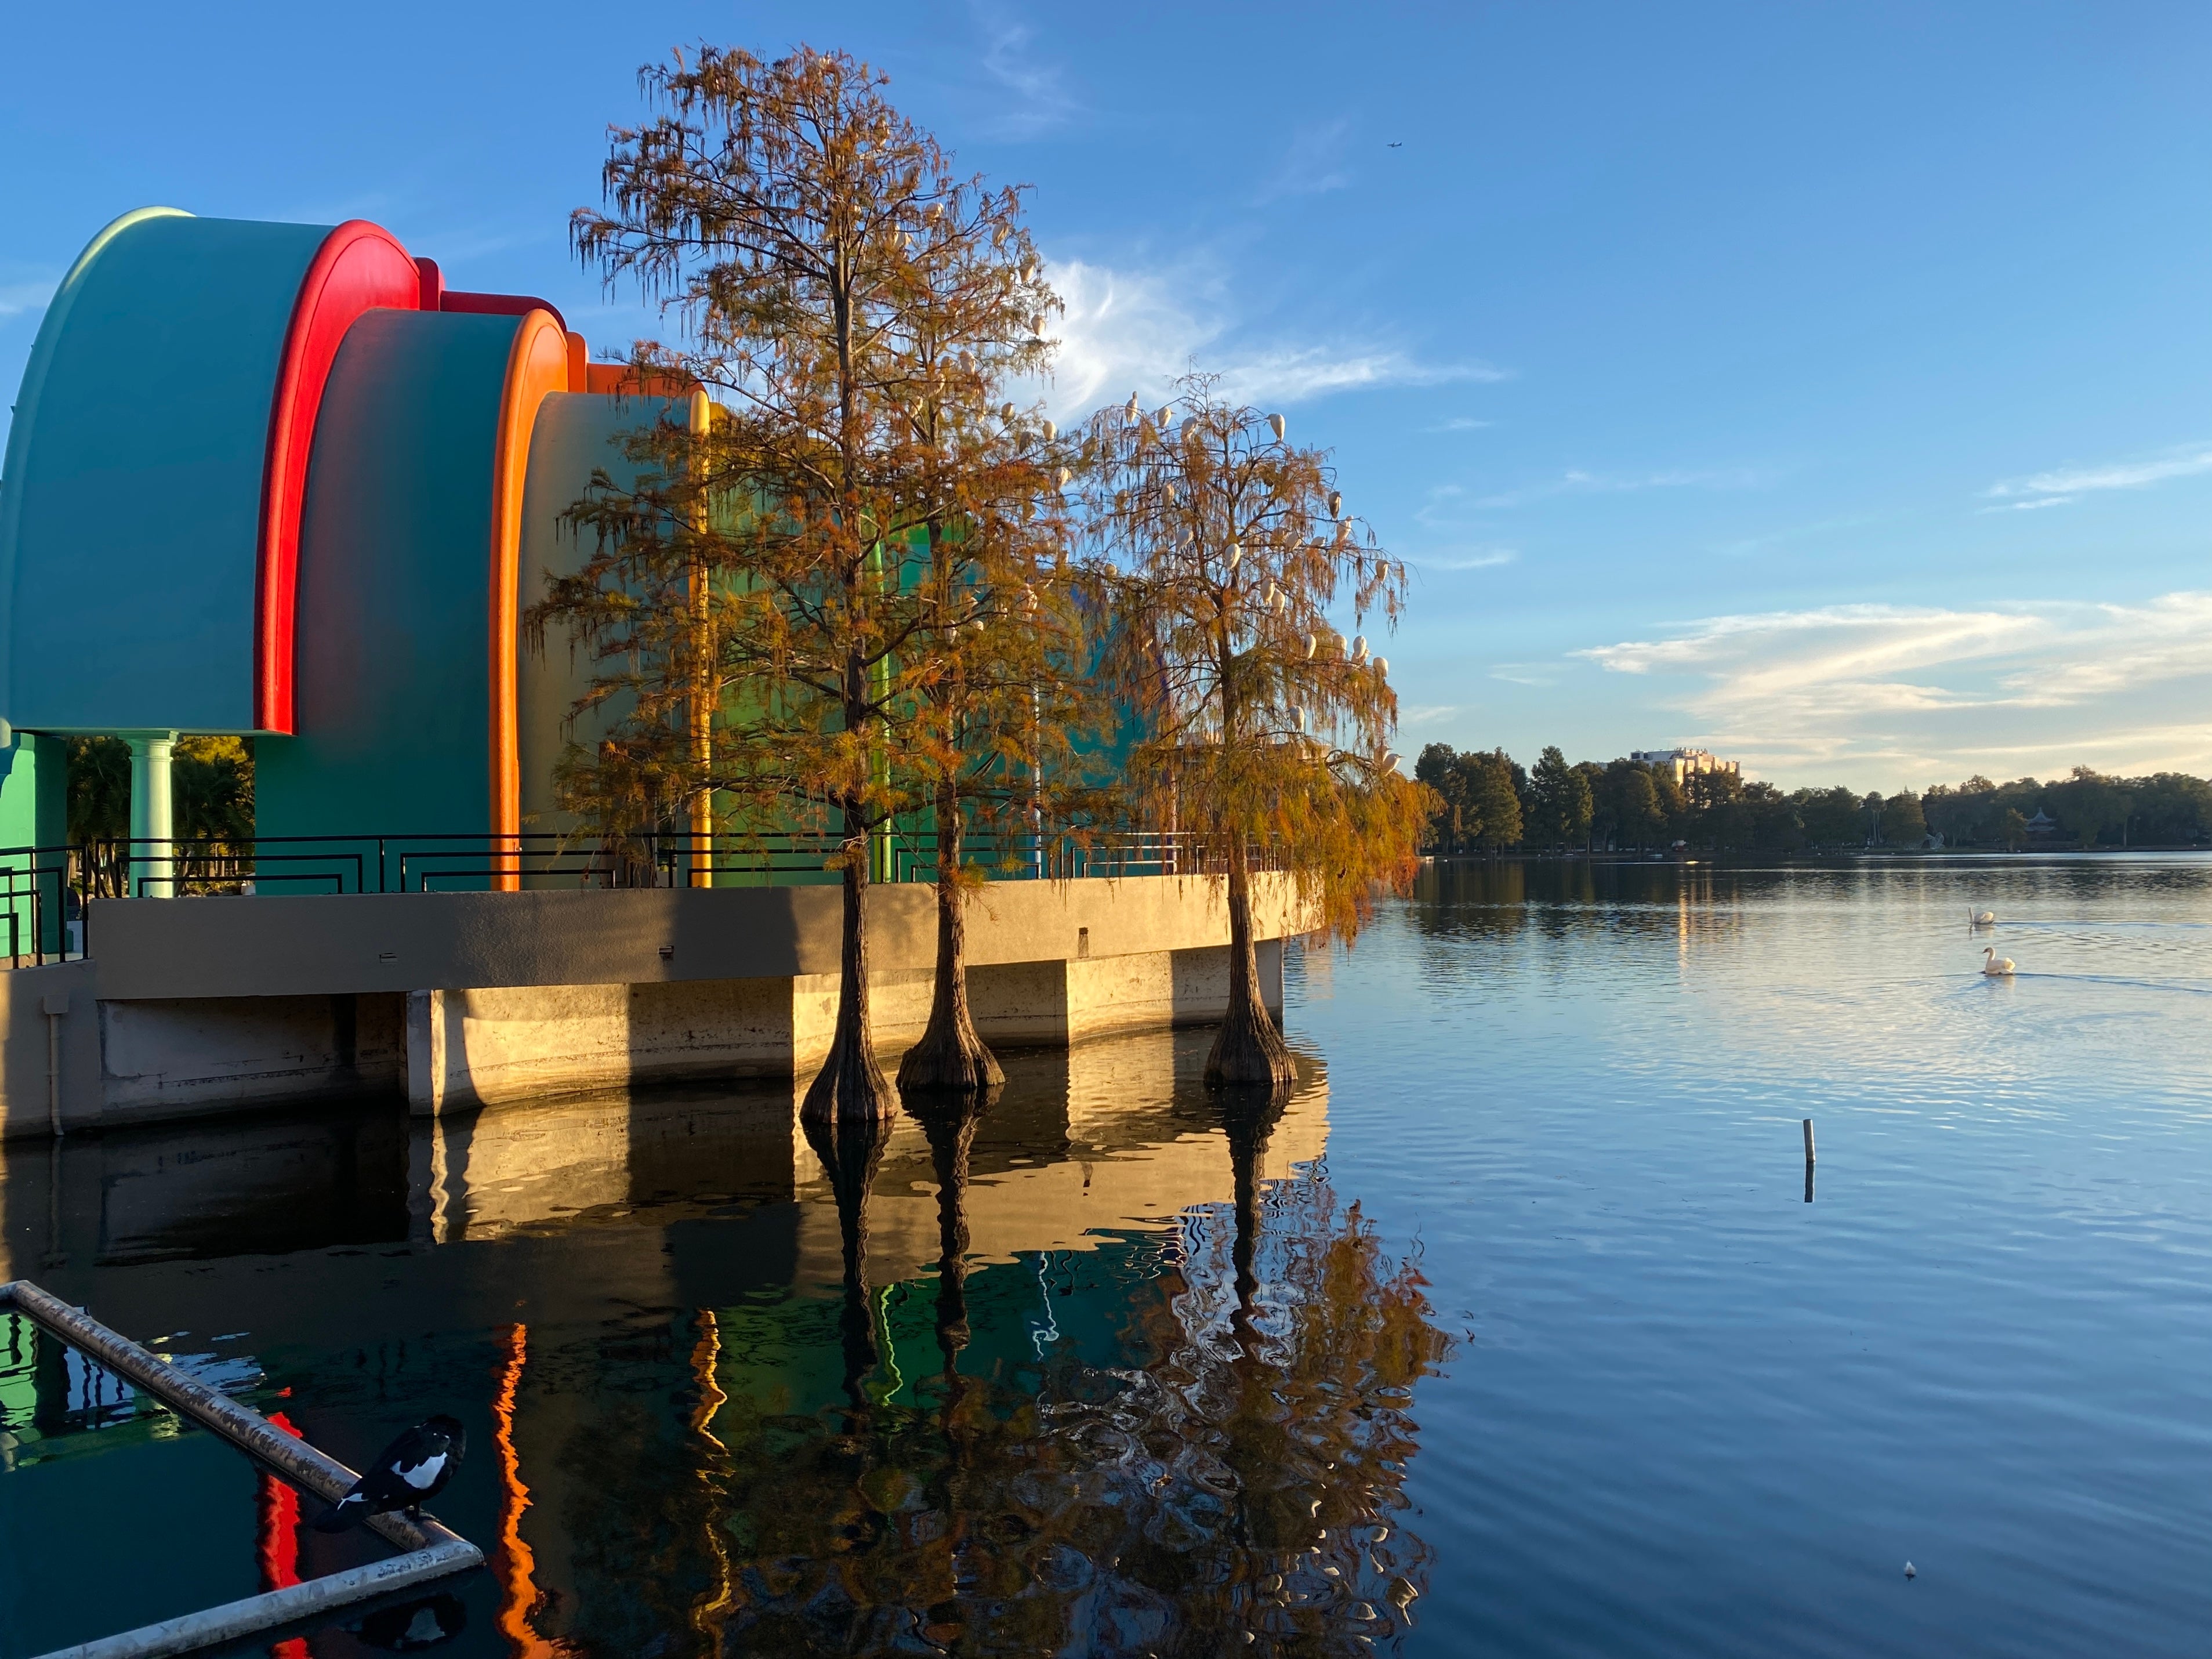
(314, 1471)
(234, 1619)
(433, 1551)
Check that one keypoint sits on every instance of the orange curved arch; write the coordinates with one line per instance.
(537, 363)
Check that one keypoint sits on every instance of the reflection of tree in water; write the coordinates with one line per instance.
(851, 1151)
(1242, 1471)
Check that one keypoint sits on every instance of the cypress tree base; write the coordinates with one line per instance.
(1249, 1052)
(850, 1088)
(950, 1059)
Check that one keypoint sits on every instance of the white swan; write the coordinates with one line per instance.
(1981, 917)
(1995, 966)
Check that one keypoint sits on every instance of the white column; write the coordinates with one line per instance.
(152, 820)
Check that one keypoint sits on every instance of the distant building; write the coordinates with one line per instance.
(2042, 823)
(1683, 763)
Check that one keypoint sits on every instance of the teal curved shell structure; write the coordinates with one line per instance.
(130, 520)
(393, 679)
(272, 480)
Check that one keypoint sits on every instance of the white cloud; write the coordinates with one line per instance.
(1926, 692)
(2061, 484)
(17, 298)
(1472, 558)
(1036, 96)
(1125, 330)
(1313, 163)
(1792, 534)
(2035, 505)
(1578, 482)
(1461, 424)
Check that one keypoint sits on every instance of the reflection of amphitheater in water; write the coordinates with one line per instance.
(1103, 1360)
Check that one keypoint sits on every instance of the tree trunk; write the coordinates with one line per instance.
(950, 1055)
(1249, 1050)
(851, 1085)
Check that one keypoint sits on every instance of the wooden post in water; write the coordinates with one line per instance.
(1808, 1140)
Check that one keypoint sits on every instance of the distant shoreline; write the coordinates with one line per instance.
(1805, 854)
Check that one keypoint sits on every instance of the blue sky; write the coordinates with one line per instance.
(1829, 386)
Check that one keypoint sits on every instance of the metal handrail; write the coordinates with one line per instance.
(432, 1551)
(41, 886)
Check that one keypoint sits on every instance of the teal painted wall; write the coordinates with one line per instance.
(395, 562)
(142, 429)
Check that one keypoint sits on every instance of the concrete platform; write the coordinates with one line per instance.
(458, 1000)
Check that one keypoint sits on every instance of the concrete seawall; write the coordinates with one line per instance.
(462, 999)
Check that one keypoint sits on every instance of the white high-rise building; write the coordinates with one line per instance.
(1683, 763)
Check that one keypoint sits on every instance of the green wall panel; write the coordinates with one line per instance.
(33, 813)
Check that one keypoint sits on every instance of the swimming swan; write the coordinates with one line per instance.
(1995, 966)
(1981, 917)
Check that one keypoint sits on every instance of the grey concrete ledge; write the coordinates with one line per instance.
(457, 1000)
(330, 944)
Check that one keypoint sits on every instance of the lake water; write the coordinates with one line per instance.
(1514, 1330)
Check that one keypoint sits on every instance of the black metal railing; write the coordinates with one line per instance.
(43, 889)
(41, 912)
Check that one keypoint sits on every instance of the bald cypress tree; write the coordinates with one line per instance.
(760, 603)
(1263, 729)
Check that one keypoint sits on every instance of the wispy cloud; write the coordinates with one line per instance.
(1463, 423)
(2061, 484)
(1137, 330)
(457, 247)
(1526, 673)
(1313, 163)
(1480, 558)
(2035, 506)
(1791, 534)
(1928, 692)
(17, 298)
(1034, 95)
(1578, 482)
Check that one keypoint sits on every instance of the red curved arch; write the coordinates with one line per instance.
(360, 265)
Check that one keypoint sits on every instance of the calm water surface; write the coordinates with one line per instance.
(1513, 1331)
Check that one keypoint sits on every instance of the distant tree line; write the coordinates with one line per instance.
(1484, 800)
